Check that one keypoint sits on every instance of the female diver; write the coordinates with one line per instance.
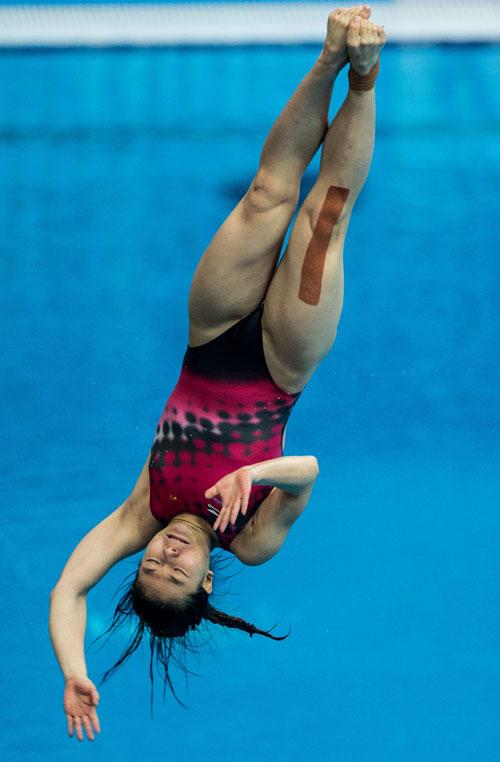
(216, 475)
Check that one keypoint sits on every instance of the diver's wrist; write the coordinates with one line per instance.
(75, 676)
(252, 471)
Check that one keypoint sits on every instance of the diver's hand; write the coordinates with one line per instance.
(80, 701)
(234, 489)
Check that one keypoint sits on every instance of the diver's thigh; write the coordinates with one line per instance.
(234, 272)
(304, 301)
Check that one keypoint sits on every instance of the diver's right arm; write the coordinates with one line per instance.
(67, 621)
(92, 557)
(119, 535)
(124, 532)
(67, 632)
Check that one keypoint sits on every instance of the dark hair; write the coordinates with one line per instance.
(169, 625)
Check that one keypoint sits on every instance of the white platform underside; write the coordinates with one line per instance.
(233, 24)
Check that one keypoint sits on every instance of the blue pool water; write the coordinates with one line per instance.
(116, 168)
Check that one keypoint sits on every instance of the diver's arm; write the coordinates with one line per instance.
(124, 532)
(68, 616)
(292, 477)
(94, 555)
(290, 473)
(67, 621)
(263, 536)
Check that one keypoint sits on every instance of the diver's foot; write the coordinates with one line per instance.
(365, 40)
(334, 48)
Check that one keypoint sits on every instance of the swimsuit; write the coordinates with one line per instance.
(224, 412)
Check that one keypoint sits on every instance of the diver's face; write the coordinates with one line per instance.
(176, 562)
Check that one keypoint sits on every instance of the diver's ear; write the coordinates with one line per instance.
(208, 582)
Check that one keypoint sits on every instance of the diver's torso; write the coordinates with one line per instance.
(224, 412)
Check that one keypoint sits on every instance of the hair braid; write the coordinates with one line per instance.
(226, 620)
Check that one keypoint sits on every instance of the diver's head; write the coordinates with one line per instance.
(176, 562)
(172, 600)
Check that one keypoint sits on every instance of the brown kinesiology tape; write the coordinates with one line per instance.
(314, 259)
(363, 82)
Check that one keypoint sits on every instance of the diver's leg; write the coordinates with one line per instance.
(233, 275)
(304, 300)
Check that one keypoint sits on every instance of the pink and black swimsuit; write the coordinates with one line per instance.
(225, 412)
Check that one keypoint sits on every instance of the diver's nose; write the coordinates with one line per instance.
(172, 548)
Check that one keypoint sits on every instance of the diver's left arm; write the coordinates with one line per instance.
(263, 536)
(290, 473)
(292, 477)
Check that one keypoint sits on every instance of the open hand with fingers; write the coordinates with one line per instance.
(234, 490)
(80, 701)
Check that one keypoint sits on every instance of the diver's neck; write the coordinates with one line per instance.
(199, 523)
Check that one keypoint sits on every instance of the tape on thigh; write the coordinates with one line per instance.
(314, 259)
